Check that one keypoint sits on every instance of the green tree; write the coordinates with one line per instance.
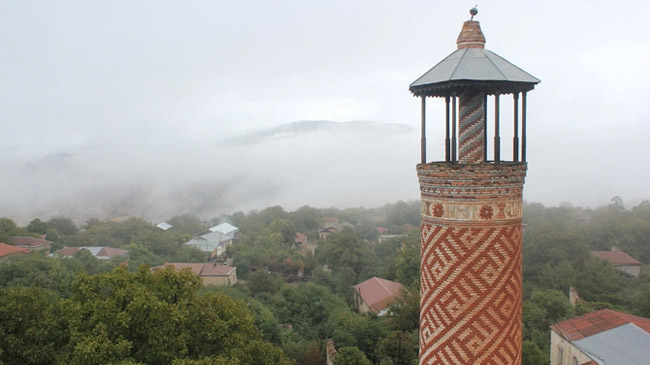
(31, 326)
(37, 226)
(399, 347)
(189, 224)
(262, 282)
(346, 250)
(64, 226)
(405, 310)
(350, 356)
(8, 229)
(347, 328)
(532, 355)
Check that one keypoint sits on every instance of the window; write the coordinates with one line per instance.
(575, 361)
(560, 355)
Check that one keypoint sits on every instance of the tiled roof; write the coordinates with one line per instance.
(31, 242)
(616, 257)
(111, 252)
(300, 237)
(596, 322)
(101, 252)
(377, 293)
(6, 250)
(201, 269)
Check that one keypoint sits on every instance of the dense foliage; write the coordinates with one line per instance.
(81, 310)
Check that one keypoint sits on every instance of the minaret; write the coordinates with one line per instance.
(470, 308)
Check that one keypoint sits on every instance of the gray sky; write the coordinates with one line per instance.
(138, 96)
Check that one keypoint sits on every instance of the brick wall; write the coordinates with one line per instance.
(470, 309)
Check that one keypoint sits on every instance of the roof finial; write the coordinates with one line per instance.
(473, 11)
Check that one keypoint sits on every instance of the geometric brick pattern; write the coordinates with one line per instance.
(471, 129)
(470, 280)
(471, 295)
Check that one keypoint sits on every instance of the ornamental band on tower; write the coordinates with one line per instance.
(470, 307)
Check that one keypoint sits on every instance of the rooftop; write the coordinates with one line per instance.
(100, 252)
(377, 293)
(626, 344)
(596, 322)
(225, 228)
(616, 257)
(6, 250)
(201, 269)
(473, 65)
(31, 242)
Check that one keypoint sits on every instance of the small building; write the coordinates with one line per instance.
(210, 273)
(375, 294)
(215, 240)
(621, 261)
(8, 251)
(164, 226)
(226, 229)
(325, 232)
(300, 241)
(31, 243)
(604, 337)
(338, 227)
(326, 222)
(100, 252)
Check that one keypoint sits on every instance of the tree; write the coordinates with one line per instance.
(284, 228)
(532, 355)
(37, 226)
(31, 326)
(348, 328)
(189, 224)
(218, 325)
(64, 226)
(405, 310)
(399, 347)
(262, 282)
(8, 229)
(345, 250)
(350, 356)
(407, 261)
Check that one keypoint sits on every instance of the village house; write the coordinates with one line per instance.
(620, 260)
(164, 226)
(604, 337)
(210, 273)
(31, 243)
(100, 252)
(338, 227)
(375, 294)
(300, 241)
(327, 222)
(8, 251)
(215, 240)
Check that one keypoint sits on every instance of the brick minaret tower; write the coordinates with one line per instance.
(470, 308)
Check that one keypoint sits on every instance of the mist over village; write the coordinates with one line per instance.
(324, 183)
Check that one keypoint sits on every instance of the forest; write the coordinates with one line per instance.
(287, 302)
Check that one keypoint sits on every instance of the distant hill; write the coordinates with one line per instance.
(304, 127)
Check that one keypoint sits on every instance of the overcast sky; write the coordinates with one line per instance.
(102, 94)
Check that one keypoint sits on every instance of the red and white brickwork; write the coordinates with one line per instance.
(470, 309)
(471, 131)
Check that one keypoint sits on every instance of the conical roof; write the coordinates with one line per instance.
(471, 65)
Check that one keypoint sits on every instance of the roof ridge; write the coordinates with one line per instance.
(382, 284)
(458, 64)
(495, 66)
